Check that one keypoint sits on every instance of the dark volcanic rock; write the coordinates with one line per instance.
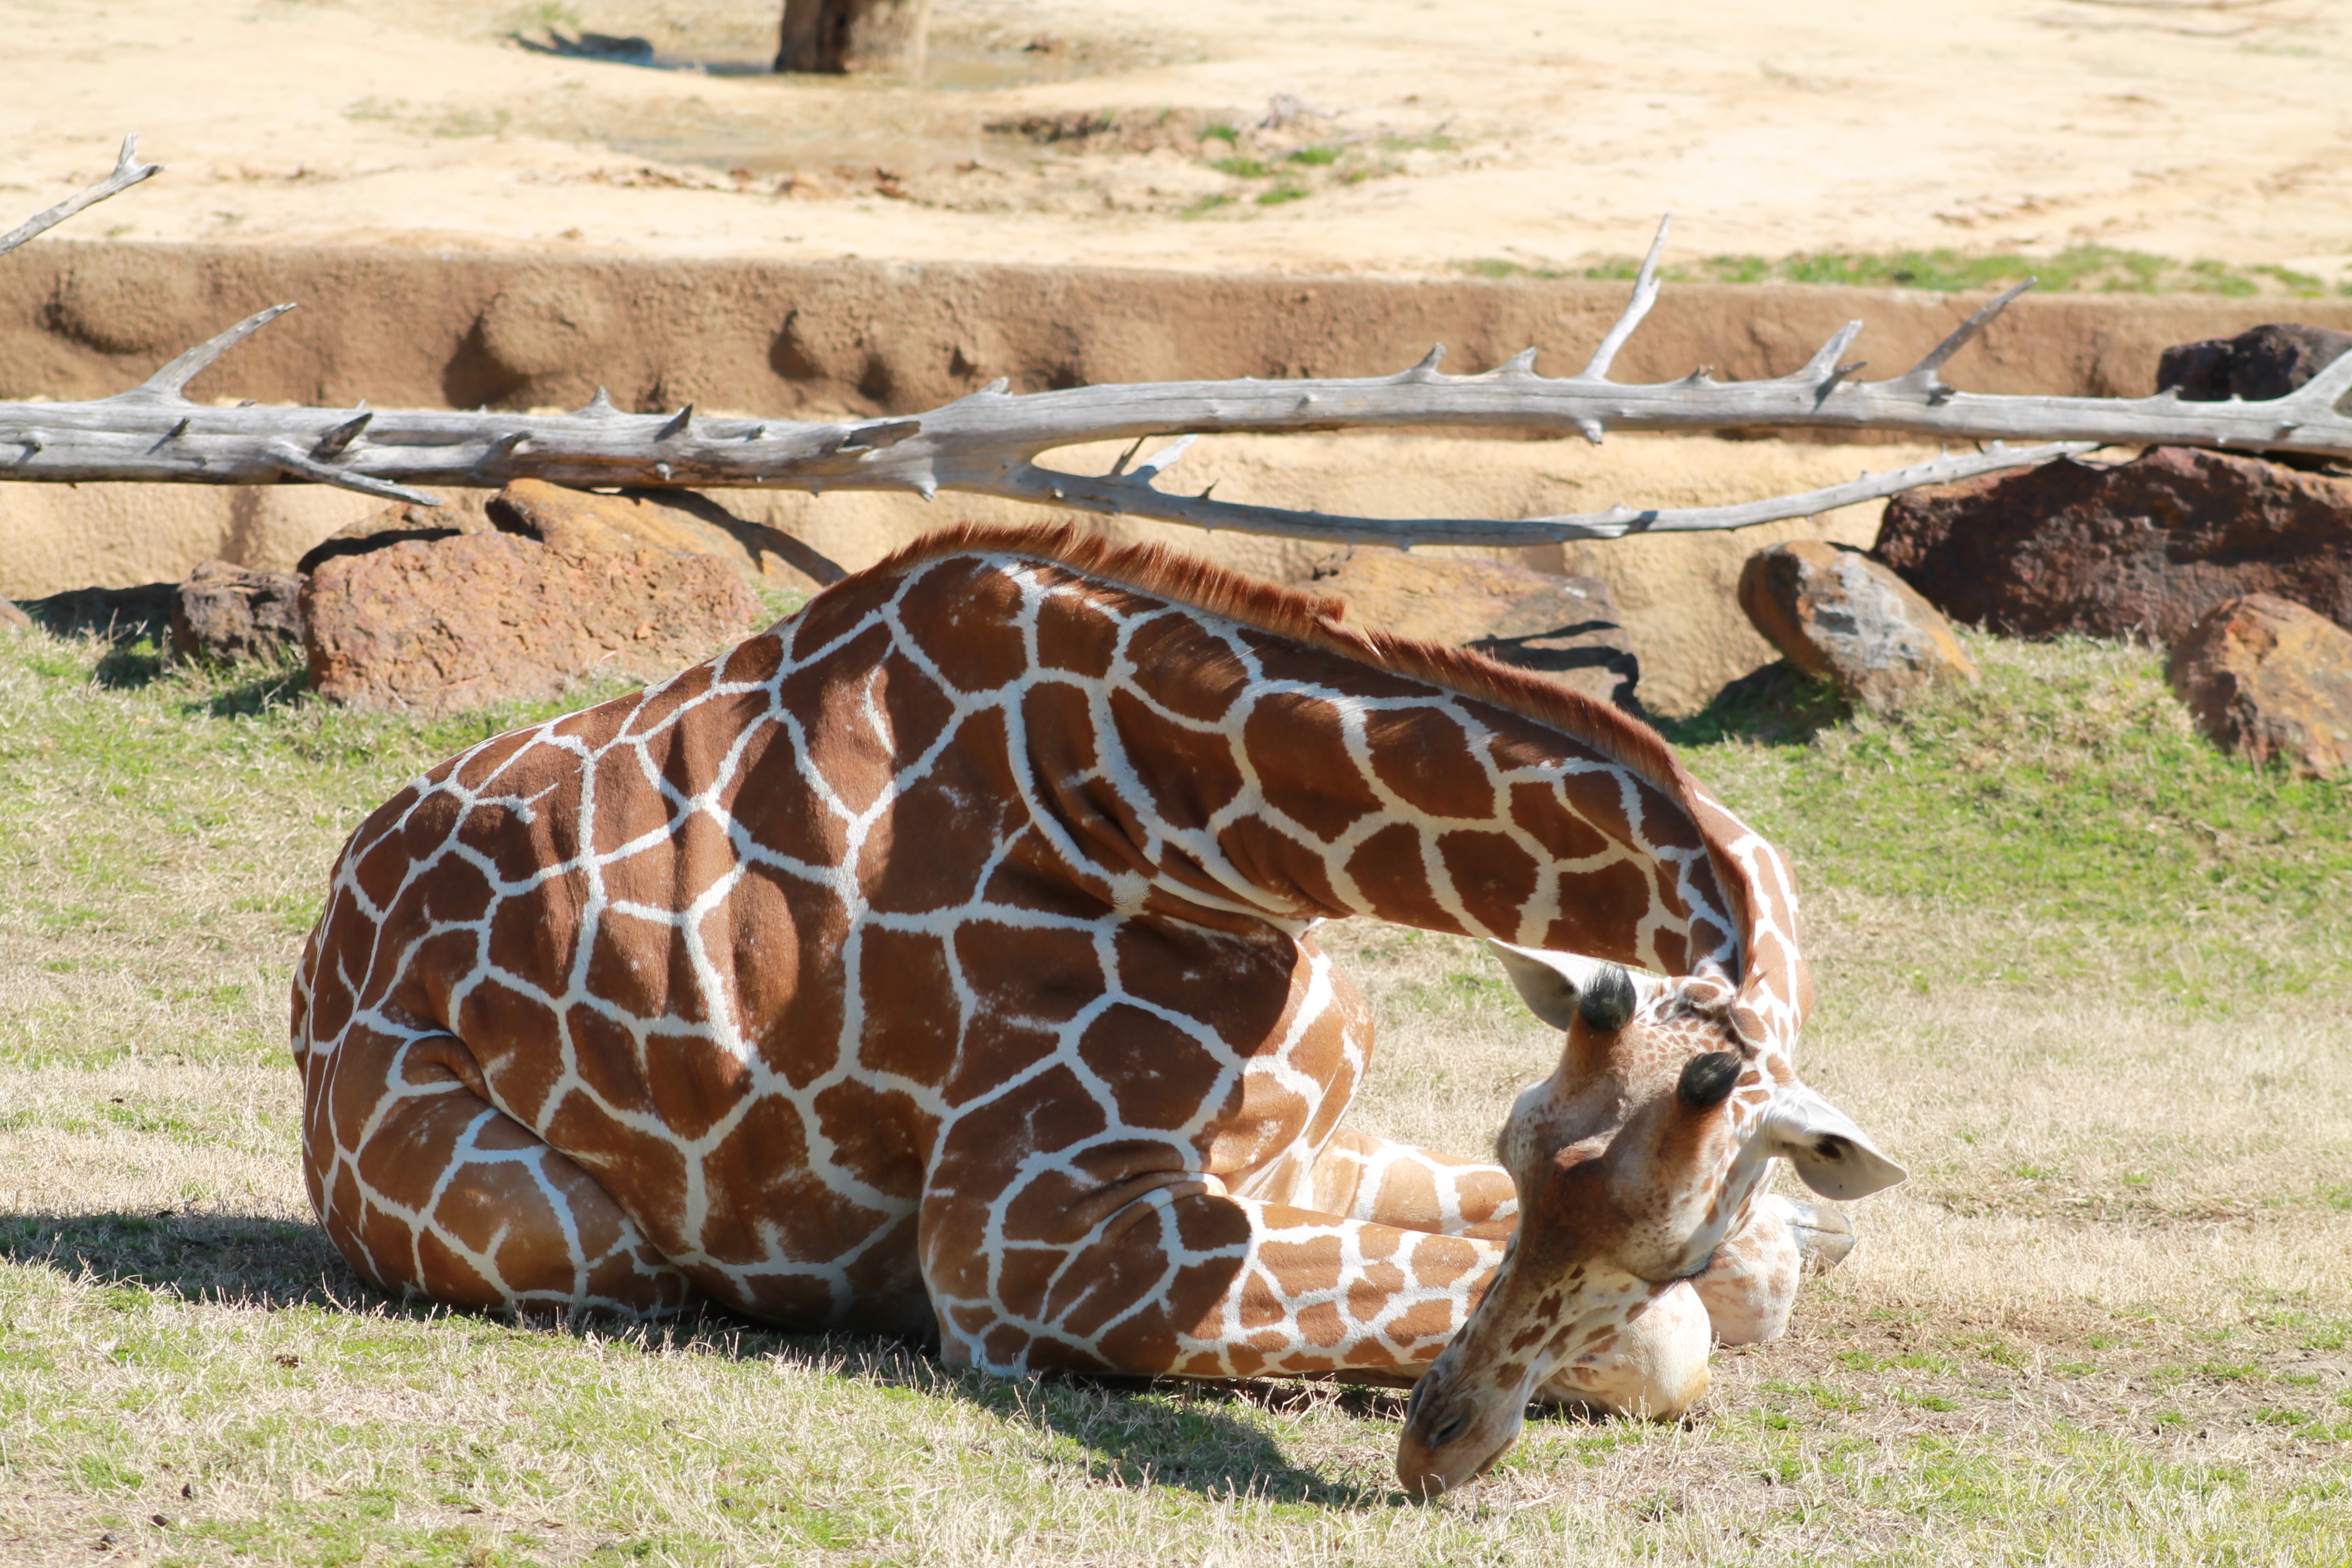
(226, 612)
(2272, 681)
(1835, 612)
(1565, 628)
(2258, 364)
(2142, 548)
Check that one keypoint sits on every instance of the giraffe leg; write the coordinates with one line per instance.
(1654, 1365)
(1186, 1281)
(1359, 1176)
(1751, 1287)
(429, 1189)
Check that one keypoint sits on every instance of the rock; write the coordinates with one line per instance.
(678, 521)
(14, 619)
(2267, 678)
(433, 626)
(225, 613)
(396, 525)
(674, 521)
(1565, 628)
(2136, 549)
(1834, 612)
(2258, 364)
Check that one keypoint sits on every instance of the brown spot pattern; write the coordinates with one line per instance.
(936, 952)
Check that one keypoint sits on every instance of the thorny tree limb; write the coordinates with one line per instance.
(128, 172)
(988, 442)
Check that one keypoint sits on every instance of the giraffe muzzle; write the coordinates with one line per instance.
(1451, 1439)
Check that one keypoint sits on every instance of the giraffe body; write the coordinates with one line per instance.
(942, 960)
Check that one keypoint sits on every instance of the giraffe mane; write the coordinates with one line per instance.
(1317, 620)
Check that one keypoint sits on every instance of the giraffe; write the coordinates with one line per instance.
(941, 961)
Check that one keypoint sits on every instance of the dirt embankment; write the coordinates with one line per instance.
(399, 327)
(861, 337)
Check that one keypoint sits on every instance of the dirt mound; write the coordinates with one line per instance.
(399, 327)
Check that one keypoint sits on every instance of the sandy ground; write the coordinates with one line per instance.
(1388, 137)
(1533, 132)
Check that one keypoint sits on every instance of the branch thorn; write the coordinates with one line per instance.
(335, 441)
(170, 384)
(1924, 373)
(1645, 294)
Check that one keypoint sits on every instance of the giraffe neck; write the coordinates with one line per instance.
(1203, 763)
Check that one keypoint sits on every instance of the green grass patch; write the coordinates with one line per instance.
(2067, 794)
(2083, 268)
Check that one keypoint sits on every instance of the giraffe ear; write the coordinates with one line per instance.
(1833, 1156)
(1554, 984)
(1548, 982)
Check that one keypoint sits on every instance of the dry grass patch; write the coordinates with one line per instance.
(2109, 1321)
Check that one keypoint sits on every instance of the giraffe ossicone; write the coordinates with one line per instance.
(941, 960)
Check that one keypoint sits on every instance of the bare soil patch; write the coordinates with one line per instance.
(1473, 131)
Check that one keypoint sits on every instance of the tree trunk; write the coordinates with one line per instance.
(839, 35)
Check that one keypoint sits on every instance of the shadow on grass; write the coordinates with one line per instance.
(265, 687)
(1198, 1436)
(128, 666)
(237, 1260)
(1778, 705)
(1193, 1435)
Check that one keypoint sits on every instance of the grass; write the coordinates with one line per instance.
(1299, 173)
(2085, 978)
(2083, 268)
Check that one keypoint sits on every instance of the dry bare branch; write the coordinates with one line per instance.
(989, 442)
(128, 172)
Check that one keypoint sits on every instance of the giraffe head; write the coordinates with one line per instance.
(1635, 1161)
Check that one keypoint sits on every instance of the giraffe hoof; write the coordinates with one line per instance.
(1824, 1236)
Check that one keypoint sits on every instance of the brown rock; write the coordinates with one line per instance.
(1834, 612)
(2267, 678)
(680, 522)
(439, 625)
(2142, 548)
(396, 524)
(225, 613)
(1566, 627)
(2260, 364)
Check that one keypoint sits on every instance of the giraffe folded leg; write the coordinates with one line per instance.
(1654, 1365)
(1359, 1176)
(1751, 1287)
(428, 1190)
(1192, 1282)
